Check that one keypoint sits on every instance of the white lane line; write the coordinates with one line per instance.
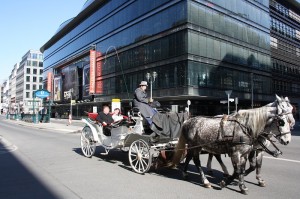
(283, 159)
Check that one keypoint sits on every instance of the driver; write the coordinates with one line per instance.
(141, 101)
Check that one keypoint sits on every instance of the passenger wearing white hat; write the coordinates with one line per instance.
(141, 101)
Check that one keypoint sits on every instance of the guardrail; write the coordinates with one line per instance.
(29, 117)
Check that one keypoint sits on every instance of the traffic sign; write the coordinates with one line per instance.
(41, 93)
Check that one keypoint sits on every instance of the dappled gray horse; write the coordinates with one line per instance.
(236, 138)
(262, 143)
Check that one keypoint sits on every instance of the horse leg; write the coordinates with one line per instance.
(259, 158)
(241, 172)
(188, 158)
(224, 168)
(252, 161)
(208, 165)
(239, 164)
(196, 159)
(231, 178)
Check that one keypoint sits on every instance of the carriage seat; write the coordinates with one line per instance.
(135, 114)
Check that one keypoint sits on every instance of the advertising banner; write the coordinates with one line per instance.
(99, 82)
(92, 71)
(49, 81)
(57, 89)
(85, 80)
(70, 81)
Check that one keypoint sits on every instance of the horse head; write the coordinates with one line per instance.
(279, 127)
(283, 120)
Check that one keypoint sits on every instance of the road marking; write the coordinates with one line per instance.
(283, 159)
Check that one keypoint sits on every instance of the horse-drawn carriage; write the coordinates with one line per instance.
(128, 135)
(244, 128)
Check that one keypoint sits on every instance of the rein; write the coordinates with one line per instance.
(276, 153)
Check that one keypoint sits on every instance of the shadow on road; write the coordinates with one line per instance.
(17, 181)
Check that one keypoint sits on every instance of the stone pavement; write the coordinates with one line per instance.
(60, 125)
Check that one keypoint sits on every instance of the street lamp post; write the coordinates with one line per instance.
(70, 93)
(228, 93)
(151, 78)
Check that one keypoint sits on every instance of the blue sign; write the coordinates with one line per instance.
(42, 93)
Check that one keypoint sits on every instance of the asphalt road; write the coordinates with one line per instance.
(37, 163)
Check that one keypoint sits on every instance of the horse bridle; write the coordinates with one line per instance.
(280, 122)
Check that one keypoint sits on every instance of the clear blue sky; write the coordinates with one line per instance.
(29, 24)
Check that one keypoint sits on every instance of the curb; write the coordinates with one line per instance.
(60, 128)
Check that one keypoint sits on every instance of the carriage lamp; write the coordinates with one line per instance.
(151, 78)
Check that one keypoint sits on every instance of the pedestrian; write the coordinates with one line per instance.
(69, 119)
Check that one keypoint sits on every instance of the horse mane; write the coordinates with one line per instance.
(255, 119)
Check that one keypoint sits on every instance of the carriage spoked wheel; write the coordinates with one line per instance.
(88, 146)
(139, 156)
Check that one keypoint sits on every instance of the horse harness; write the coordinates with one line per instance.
(222, 132)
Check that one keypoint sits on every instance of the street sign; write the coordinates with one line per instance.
(41, 93)
(228, 92)
(225, 101)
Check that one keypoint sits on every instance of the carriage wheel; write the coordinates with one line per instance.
(140, 158)
(88, 145)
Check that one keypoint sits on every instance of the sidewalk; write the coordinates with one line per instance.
(55, 124)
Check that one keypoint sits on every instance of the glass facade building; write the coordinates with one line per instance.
(198, 48)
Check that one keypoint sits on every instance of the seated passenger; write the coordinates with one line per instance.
(141, 101)
(105, 119)
(117, 116)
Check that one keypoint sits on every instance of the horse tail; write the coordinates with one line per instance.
(180, 149)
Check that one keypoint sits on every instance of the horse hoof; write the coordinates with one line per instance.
(262, 183)
(208, 185)
(222, 184)
(245, 191)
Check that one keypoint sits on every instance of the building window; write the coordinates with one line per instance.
(40, 64)
(34, 87)
(40, 87)
(27, 94)
(28, 63)
(27, 86)
(273, 42)
(28, 70)
(34, 71)
(41, 79)
(34, 63)
(298, 52)
(27, 78)
(41, 71)
(34, 79)
(34, 56)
